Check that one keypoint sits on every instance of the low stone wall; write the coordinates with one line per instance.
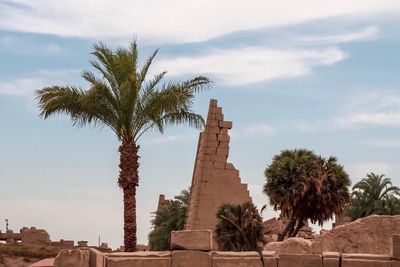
(192, 257)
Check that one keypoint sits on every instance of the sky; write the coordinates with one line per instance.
(321, 75)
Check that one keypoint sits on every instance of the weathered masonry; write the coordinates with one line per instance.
(215, 181)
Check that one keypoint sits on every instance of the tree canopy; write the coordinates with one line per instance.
(374, 194)
(304, 186)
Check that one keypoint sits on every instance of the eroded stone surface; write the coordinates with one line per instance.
(236, 259)
(215, 181)
(192, 240)
(365, 263)
(139, 259)
(371, 234)
(294, 245)
(395, 248)
(300, 260)
(72, 258)
(191, 258)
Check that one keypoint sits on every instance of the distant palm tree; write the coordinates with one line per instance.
(374, 194)
(304, 186)
(129, 104)
(170, 218)
(239, 227)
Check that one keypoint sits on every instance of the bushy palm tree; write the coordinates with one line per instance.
(304, 186)
(129, 104)
(170, 218)
(374, 194)
(239, 227)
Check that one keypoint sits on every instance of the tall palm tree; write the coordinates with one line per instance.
(124, 100)
(374, 194)
(304, 186)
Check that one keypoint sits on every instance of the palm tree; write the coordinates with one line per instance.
(129, 104)
(374, 194)
(304, 186)
(239, 227)
(170, 218)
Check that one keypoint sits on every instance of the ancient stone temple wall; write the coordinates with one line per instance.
(215, 181)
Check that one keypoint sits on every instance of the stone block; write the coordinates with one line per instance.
(189, 258)
(270, 259)
(72, 258)
(219, 165)
(331, 259)
(225, 124)
(222, 151)
(224, 137)
(395, 248)
(212, 130)
(223, 144)
(365, 263)
(300, 260)
(236, 259)
(366, 256)
(229, 166)
(192, 240)
(139, 259)
(34, 236)
(96, 258)
(395, 263)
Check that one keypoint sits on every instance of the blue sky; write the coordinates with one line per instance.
(309, 74)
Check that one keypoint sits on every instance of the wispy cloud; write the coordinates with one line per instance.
(253, 64)
(371, 108)
(198, 22)
(25, 87)
(387, 143)
(165, 139)
(254, 130)
(368, 33)
(358, 170)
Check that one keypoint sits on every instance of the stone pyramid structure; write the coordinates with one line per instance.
(215, 181)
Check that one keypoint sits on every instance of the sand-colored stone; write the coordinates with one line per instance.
(300, 260)
(191, 258)
(270, 259)
(372, 234)
(236, 259)
(365, 263)
(192, 240)
(294, 245)
(139, 259)
(215, 181)
(331, 259)
(395, 248)
(96, 258)
(73, 258)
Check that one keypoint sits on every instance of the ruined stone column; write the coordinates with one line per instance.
(215, 181)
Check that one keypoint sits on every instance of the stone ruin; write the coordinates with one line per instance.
(215, 181)
(40, 237)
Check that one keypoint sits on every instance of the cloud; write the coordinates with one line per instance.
(26, 87)
(364, 34)
(252, 64)
(254, 130)
(380, 108)
(358, 170)
(165, 139)
(192, 21)
(380, 118)
(391, 143)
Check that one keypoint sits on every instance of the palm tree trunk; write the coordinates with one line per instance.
(128, 181)
(300, 225)
(289, 227)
